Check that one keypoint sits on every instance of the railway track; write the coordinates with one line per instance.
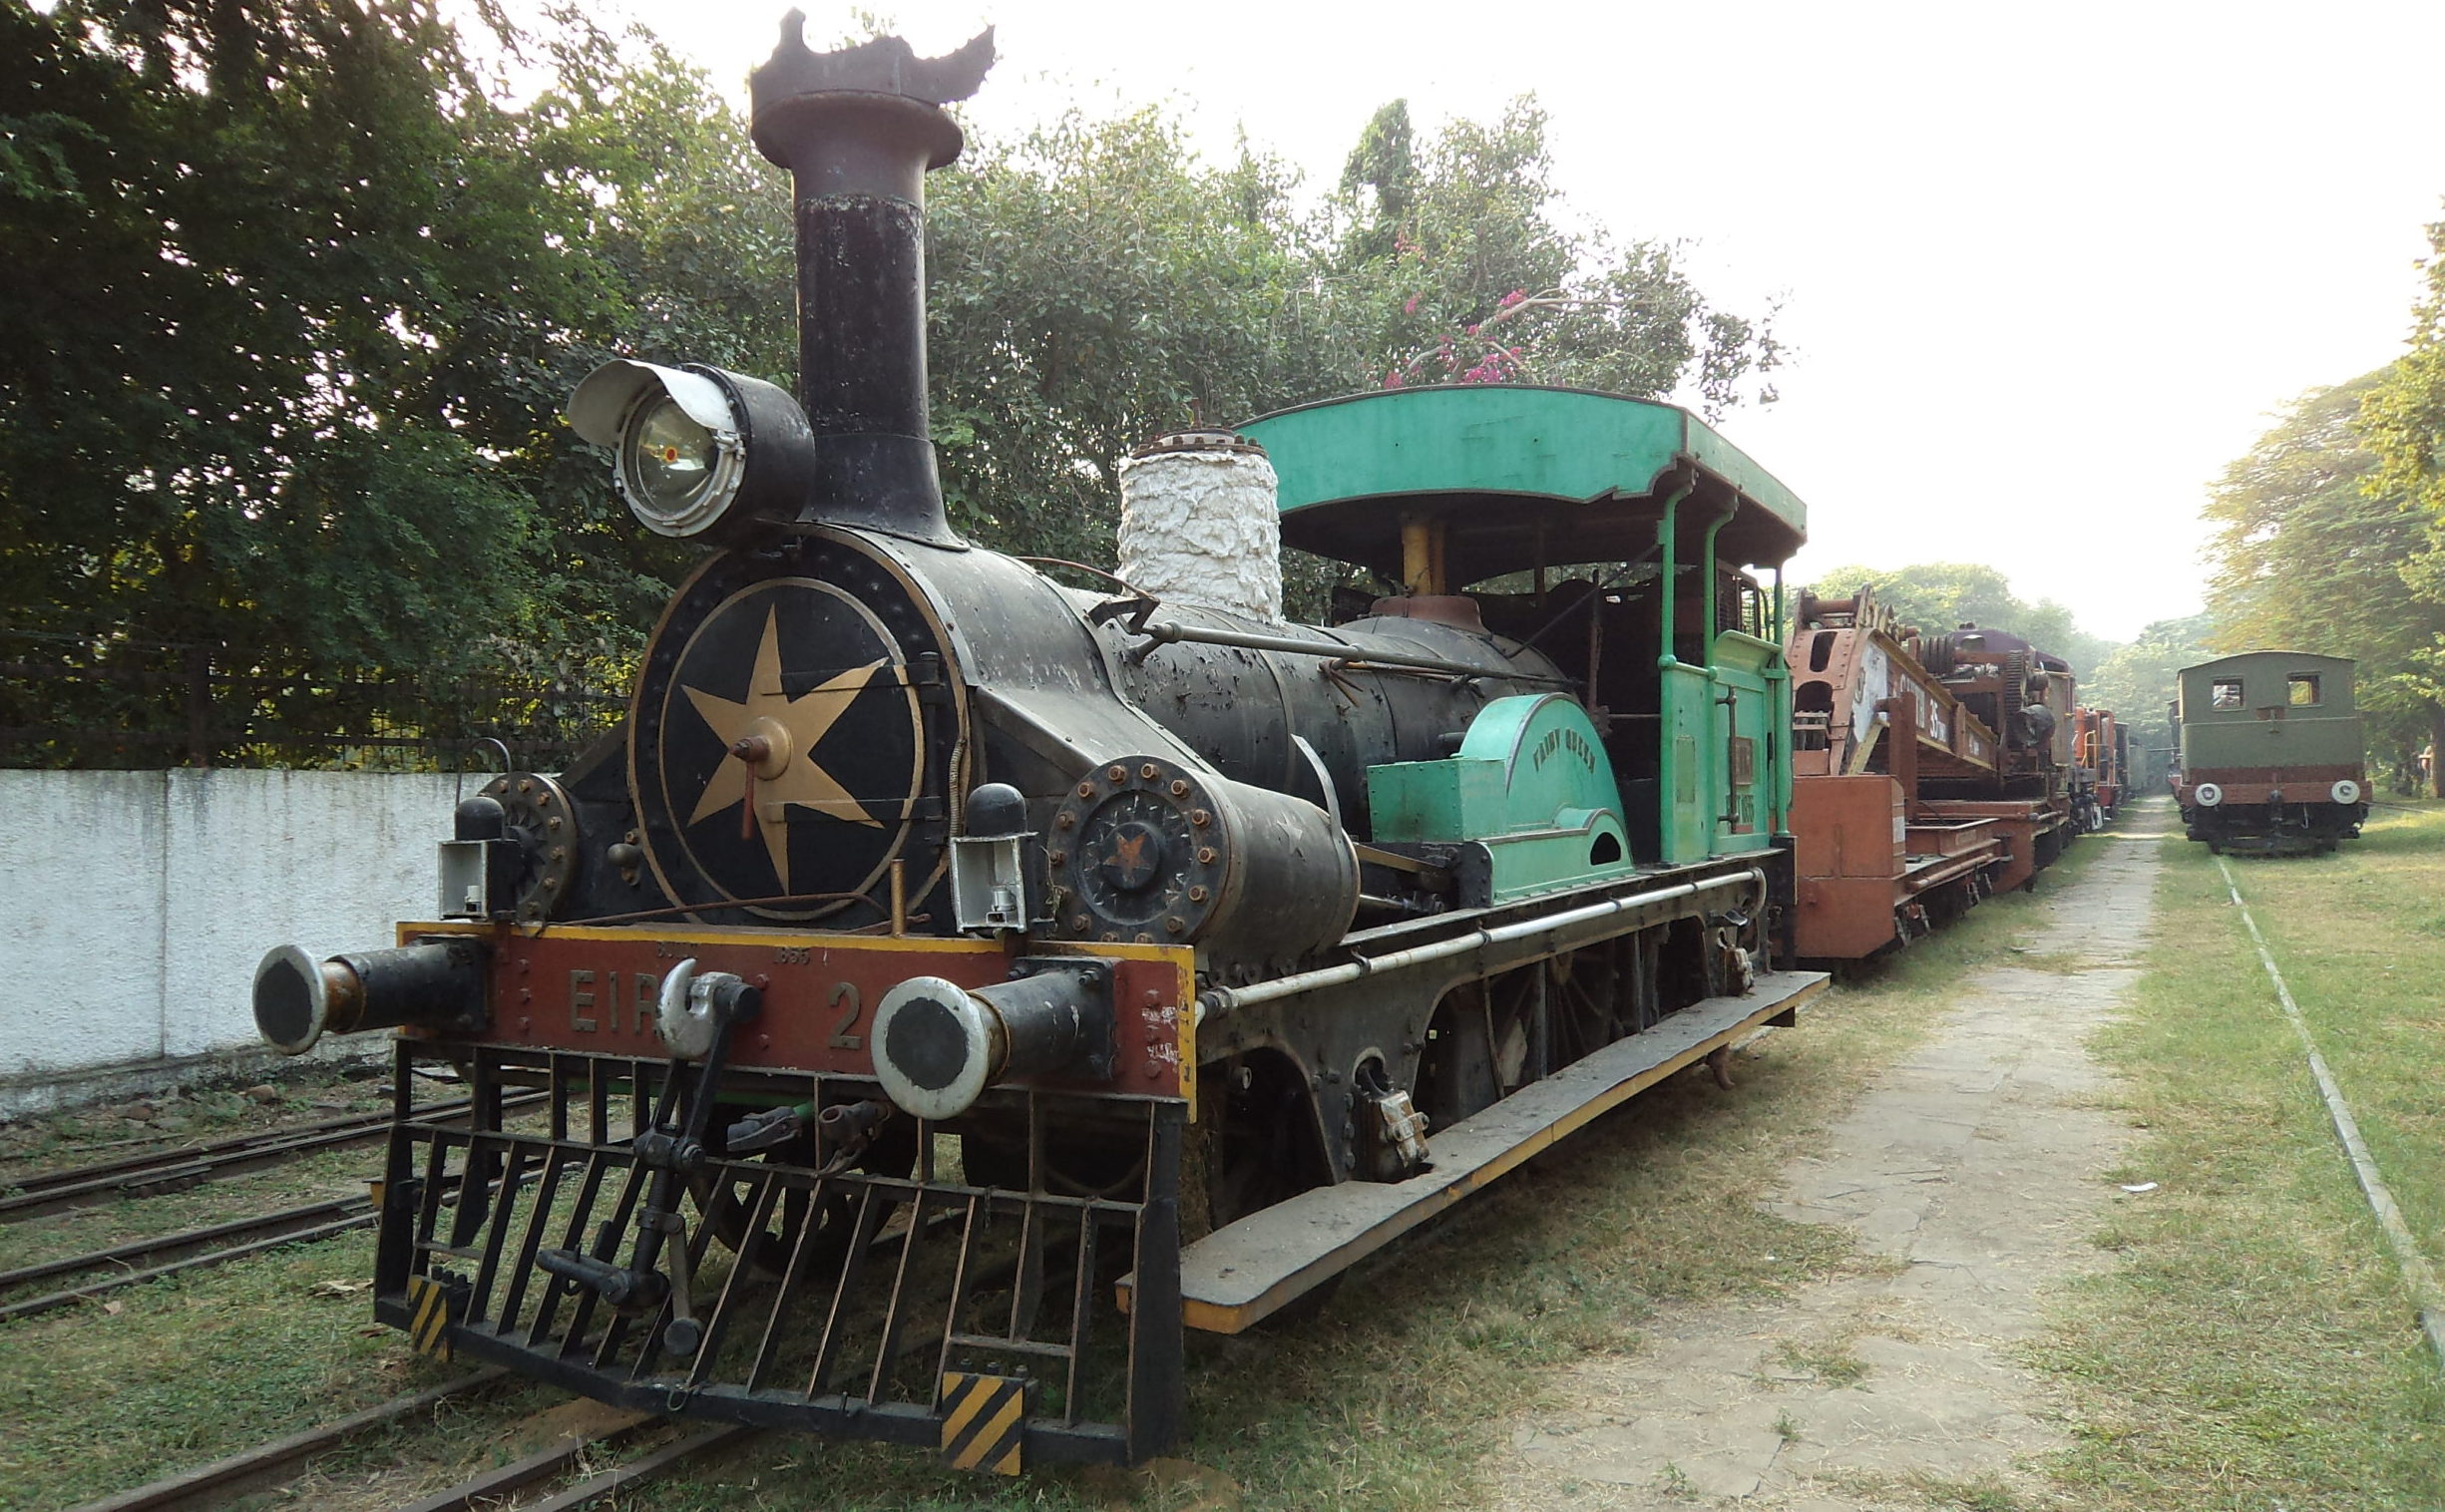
(142, 1260)
(284, 1459)
(178, 1170)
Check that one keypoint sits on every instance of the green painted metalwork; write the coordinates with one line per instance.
(1687, 791)
(1747, 780)
(1531, 784)
(1515, 470)
(1780, 675)
(1562, 444)
(1706, 558)
(1530, 477)
(1667, 540)
(2261, 724)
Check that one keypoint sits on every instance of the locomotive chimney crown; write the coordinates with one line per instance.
(858, 129)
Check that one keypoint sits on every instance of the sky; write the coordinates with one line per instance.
(2044, 272)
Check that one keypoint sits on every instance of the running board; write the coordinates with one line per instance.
(1234, 1277)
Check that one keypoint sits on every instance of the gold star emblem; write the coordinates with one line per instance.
(777, 734)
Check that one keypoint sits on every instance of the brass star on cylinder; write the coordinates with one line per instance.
(771, 737)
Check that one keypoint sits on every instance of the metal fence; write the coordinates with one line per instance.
(68, 700)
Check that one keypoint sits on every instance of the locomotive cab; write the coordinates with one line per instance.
(1595, 522)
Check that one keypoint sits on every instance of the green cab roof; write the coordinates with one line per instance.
(1523, 477)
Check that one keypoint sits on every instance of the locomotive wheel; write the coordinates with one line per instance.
(726, 1211)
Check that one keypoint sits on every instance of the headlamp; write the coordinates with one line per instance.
(697, 451)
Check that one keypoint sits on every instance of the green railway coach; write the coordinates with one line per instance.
(2270, 757)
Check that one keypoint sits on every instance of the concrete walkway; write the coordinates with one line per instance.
(1975, 1167)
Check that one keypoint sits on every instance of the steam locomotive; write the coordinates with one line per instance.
(951, 986)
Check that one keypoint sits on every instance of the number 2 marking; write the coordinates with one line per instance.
(842, 1039)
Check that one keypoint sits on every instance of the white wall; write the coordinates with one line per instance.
(133, 906)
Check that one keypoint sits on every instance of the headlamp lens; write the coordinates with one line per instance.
(671, 457)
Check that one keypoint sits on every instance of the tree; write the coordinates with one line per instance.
(2137, 679)
(302, 289)
(2402, 416)
(2316, 550)
(1938, 595)
(1463, 268)
(1092, 284)
(296, 299)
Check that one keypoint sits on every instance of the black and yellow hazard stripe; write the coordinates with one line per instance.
(985, 1422)
(429, 1320)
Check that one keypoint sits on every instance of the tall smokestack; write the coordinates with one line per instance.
(858, 129)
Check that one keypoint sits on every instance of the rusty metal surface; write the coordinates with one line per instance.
(582, 988)
(1848, 659)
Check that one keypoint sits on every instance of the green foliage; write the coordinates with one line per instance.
(1937, 595)
(1463, 267)
(2402, 416)
(294, 305)
(2316, 550)
(2136, 679)
(300, 288)
(1092, 284)
(265, 289)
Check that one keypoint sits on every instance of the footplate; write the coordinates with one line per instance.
(890, 1299)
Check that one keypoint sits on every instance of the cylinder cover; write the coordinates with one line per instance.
(1146, 850)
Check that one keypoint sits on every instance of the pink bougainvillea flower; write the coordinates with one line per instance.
(1392, 380)
(1409, 307)
(1513, 297)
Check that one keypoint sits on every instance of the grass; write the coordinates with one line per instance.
(2253, 1348)
(1393, 1397)
(1834, 1363)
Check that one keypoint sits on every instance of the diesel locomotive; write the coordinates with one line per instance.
(2270, 755)
(950, 985)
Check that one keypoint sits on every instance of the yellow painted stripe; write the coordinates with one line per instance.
(429, 1320)
(1009, 1463)
(974, 1393)
(987, 1442)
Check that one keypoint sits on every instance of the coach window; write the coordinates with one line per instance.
(2302, 691)
(2226, 693)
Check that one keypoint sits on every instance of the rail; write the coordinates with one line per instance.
(178, 1170)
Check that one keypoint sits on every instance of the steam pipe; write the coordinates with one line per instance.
(1169, 631)
(1216, 1000)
